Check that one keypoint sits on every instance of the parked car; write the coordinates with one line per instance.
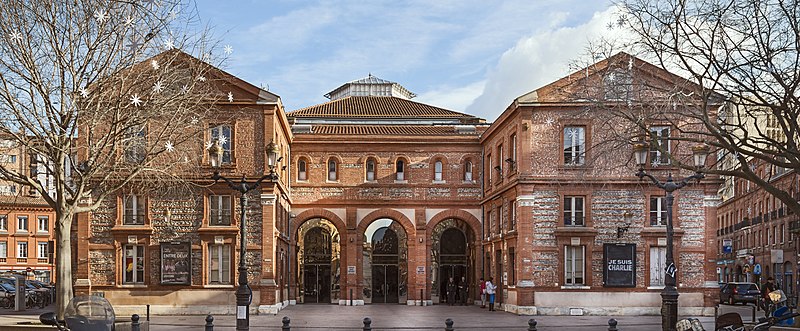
(736, 292)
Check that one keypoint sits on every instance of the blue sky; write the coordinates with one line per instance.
(464, 55)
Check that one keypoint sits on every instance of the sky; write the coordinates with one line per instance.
(469, 56)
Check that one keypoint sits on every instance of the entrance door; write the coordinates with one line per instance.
(385, 284)
(317, 283)
(455, 271)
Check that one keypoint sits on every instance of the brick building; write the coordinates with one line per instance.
(382, 199)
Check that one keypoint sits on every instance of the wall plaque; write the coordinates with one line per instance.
(176, 263)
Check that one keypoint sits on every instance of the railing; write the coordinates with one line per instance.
(781, 212)
(41, 260)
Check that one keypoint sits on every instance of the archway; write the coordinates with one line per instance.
(385, 262)
(451, 256)
(318, 261)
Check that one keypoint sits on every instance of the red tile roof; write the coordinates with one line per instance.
(400, 130)
(377, 107)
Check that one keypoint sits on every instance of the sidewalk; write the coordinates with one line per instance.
(392, 317)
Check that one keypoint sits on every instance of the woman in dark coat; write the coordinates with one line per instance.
(451, 292)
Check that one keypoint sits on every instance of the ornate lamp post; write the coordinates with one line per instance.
(669, 296)
(243, 292)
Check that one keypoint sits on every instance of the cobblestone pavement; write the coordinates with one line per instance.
(394, 317)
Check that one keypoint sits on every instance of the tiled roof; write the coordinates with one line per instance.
(400, 130)
(22, 200)
(376, 107)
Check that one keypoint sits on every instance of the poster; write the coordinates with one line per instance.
(176, 263)
(619, 265)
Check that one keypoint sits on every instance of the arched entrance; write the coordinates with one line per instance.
(451, 256)
(385, 262)
(318, 260)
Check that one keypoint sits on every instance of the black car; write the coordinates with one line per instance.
(735, 292)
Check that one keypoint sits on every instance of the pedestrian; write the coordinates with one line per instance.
(482, 285)
(462, 291)
(451, 292)
(490, 287)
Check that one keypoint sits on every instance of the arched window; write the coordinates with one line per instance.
(370, 170)
(400, 170)
(468, 171)
(332, 170)
(437, 168)
(301, 170)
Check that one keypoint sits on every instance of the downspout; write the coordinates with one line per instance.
(483, 212)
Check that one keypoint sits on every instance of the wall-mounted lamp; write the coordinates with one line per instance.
(498, 168)
(420, 239)
(351, 239)
(622, 229)
(511, 162)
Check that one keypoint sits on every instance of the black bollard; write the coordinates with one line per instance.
(351, 297)
(367, 324)
(148, 313)
(532, 325)
(754, 313)
(285, 326)
(209, 323)
(421, 298)
(612, 325)
(135, 322)
(448, 324)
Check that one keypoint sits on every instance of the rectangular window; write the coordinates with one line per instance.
(400, 170)
(301, 170)
(22, 250)
(220, 210)
(41, 249)
(22, 223)
(3, 222)
(43, 223)
(222, 134)
(513, 150)
(659, 145)
(3, 249)
(134, 264)
(512, 262)
(370, 170)
(491, 169)
(8, 158)
(134, 209)
(573, 211)
(332, 170)
(513, 215)
(135, 144)
(500, 161)
(437, 171)
(468, 171)
(574, 145)
(658, 211)
(574, 265)
(658, 265)
(219, 264)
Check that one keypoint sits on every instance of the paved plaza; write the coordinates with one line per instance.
(394, 317)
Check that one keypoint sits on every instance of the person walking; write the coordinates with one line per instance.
(462, 291)
(490, 287)
(482, 286)
(451, 292)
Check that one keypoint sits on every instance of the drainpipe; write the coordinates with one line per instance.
(483, 213)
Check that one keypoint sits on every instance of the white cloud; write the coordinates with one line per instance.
(452, 98)
(537, 60)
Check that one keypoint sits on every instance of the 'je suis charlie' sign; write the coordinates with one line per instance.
(619, 265)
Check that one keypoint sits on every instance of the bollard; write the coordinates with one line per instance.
(367, 324)
(209, 323)
(421, 298)
(148, 313)
(448, 324)
(612, 325)
(532, 325)
(351, 296)
(754, 313)
(716, 314)
(135, 322)
(285, 326)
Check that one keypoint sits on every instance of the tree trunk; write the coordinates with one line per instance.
(63, 262)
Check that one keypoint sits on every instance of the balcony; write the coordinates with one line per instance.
(41, 260)
(757, 220)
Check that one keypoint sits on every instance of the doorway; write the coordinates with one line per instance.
(385, 272)
(385, 284)
(453, 261)
(317, 283)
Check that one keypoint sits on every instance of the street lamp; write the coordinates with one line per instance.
(243, 293)
(669, 296)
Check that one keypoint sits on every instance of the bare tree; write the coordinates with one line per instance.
(745, 54)
(103, 95)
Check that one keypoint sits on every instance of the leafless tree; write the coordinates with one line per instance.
(104, 96)
(738, 70)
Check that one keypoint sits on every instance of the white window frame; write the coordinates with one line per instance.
(574, 268)
(216, 257)
(43, 224)
(658, 264)
(658, 216)
(514, 150)
(22, 249)
(3, 222)
(513, 214)
(571, 209)
(437, 170)
(574, 145)
(3, 249)
(658, 138)
(468, 171)
(216, 205)
(135, 264)
(22, 226)
(370, 170)
(133, 210)
(136, 144)
(41, 249)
